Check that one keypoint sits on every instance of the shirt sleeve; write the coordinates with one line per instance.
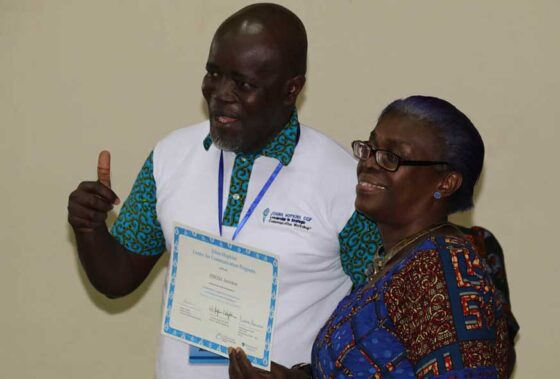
(446, 314)
(358, 241)
(137, 227)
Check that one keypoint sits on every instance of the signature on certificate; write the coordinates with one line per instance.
(221, 312)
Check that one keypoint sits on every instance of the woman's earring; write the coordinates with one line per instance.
(437, 195)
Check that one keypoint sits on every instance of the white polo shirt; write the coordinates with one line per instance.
(298, 219)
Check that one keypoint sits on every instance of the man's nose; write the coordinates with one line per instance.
(225, 90)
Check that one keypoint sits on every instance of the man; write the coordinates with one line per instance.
(255, 71)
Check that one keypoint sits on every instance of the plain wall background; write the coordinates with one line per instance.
(80, 76)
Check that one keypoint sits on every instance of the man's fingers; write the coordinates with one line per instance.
(234, 371)
(92, 204)
(245, 366)
(104, 170)
(82, 217)
(81, 224)
(94, 188)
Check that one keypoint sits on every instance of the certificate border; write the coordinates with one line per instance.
(201, 342)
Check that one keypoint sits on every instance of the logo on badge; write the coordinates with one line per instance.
(287, 219)
(265, 213)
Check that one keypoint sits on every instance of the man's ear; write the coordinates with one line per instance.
(293, 88)
(450, 183)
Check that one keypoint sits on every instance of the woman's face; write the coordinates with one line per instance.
(400, 197)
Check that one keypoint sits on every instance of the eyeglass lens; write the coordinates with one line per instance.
(362, 150)
(385, 159)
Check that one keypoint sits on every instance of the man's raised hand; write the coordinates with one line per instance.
(89, 204)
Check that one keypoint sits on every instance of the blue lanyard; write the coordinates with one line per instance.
(255, 202)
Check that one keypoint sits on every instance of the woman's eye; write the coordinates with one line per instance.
(390, 158)
(363, 150)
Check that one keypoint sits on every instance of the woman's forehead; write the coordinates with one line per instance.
(393, 140)
(399, 131)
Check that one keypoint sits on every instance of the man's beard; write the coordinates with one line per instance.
(227, 143)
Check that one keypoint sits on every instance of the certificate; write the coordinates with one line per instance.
(221, 294)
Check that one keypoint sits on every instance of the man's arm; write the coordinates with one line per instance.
(111, 268)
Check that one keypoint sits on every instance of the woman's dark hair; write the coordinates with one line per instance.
(462, 145)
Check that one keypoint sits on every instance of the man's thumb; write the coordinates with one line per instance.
(104, 171)
(104, 168)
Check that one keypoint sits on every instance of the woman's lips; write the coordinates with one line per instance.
(367, 187)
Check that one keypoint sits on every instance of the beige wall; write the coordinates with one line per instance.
(80, 76)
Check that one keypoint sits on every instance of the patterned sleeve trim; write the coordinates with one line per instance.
(445, 311)
(358, 241)
(137, 227)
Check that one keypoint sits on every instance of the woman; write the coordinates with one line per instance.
(429, 308)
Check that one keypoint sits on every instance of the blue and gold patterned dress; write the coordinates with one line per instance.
(435, 314)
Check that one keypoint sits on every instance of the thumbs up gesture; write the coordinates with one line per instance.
(104, 168)
(89, 204)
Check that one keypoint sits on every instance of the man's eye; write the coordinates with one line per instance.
(244, 85)
(212, 74)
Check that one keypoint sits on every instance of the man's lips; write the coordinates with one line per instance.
(222, 119)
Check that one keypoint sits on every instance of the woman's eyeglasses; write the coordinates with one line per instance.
(385, 159)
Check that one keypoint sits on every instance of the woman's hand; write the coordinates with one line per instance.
(241, 368)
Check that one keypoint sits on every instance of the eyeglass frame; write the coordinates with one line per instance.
(400, 162)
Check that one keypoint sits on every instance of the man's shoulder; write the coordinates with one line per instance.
(182, 140)
(194, 133)
(312, 135)
(314, 144)
(320, 162)
(179, 144)
(316, 149)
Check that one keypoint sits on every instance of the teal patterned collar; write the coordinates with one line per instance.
(282, 147)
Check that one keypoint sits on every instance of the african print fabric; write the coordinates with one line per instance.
(435, 314)
(358, 241)
(490, 250)
(137, 227)
(360, 237)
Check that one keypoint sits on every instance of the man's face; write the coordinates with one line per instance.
(244, 88)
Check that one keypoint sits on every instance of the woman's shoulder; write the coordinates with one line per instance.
(442, 303)
(444, 272)
(450, 239)
(437, 256)
(437, 247)
(448, 253)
